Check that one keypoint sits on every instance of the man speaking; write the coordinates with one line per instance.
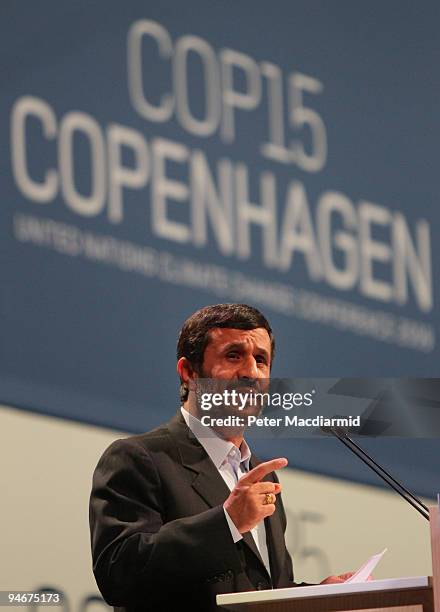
(178, 516)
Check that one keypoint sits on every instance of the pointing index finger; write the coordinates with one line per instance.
(259, 472)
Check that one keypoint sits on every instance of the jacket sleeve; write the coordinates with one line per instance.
(134, 552)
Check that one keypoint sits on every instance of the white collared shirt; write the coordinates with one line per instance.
(218, 451)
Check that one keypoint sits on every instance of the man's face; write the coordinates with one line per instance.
(236, 360)
(234, 354)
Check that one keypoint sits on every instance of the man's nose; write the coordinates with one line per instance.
(248, 369)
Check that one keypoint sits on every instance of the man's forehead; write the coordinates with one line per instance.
(228, 335)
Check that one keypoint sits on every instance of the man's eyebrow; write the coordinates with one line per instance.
(241, 345)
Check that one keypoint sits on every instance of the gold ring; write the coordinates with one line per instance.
(269, 498)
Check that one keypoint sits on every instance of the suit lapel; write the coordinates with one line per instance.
(208, 482)
(274, 533)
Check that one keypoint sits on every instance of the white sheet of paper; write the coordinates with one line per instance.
(365, 570)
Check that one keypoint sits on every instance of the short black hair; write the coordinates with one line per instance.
(194, 335)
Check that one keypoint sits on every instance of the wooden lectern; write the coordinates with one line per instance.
(421, 594)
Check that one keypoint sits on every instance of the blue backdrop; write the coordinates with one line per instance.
(158, 157)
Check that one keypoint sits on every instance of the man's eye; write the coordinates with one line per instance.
(261, 359)
(233, 355)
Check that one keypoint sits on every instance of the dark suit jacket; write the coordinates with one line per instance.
(160, 538)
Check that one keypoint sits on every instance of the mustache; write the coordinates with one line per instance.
(248, 385)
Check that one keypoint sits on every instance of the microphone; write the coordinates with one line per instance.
(341, 434)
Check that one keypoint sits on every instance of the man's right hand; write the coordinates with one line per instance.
(246, 503)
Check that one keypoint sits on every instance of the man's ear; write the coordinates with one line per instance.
(185, 370)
